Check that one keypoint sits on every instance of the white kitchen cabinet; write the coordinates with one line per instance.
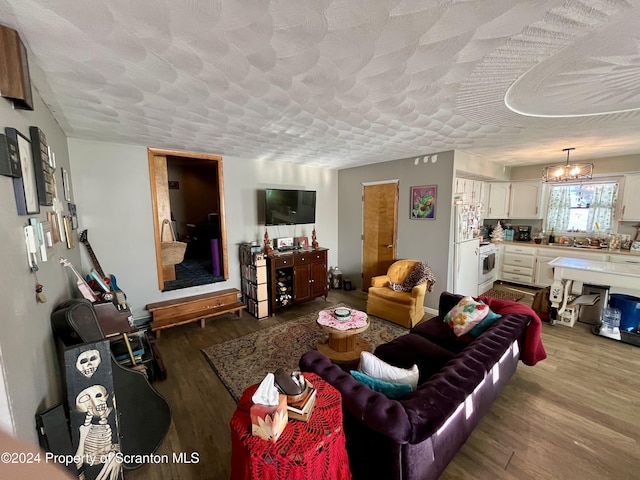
(472, 189)
(498, 200)
(543, 271)
(630, 203)
(635, 259)
(518, 263)
(525, 200)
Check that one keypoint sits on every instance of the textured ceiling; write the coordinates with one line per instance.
(341, 83)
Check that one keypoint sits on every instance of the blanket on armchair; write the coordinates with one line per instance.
(531, 348)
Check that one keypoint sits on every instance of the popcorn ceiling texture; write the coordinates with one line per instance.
(340, 83)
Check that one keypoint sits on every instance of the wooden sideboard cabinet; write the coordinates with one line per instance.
(297, 276)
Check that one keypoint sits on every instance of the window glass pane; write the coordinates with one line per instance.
(587, 207)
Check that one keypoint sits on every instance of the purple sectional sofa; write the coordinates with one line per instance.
(415, 437)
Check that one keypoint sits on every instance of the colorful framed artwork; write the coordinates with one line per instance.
(423, 202)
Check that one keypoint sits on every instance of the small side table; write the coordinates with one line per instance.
(344, 344)
(305, 450)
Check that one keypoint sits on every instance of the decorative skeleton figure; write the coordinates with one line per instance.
(96, 440)
(88, 362)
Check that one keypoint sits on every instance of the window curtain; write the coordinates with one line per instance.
(558, 213)
(601, 209)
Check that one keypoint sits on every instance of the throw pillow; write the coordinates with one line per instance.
(466, 315)
(377, 368)
(391, 390)
(412, 349)
(485, 323)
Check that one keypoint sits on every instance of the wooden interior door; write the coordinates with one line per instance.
(380, 221)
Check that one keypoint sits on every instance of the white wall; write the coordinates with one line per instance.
(113, 195)
(27, 350)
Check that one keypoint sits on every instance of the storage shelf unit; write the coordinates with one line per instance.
(297, 277)
(255, 292)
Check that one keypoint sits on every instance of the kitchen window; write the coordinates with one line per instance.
(585, 207)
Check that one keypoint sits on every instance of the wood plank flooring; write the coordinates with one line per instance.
(572, 416)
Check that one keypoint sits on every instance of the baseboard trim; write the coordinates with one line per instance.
(430, 310)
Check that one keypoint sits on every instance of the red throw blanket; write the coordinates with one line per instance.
(531, 348)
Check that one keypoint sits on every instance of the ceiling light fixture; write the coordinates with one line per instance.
(569, 171)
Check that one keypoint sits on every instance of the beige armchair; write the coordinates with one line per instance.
(403, 308)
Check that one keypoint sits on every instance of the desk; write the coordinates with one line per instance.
(569, 270)
(304, 451)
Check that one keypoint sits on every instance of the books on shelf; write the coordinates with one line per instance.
(302, 408)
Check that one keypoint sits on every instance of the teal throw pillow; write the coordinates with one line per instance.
(391, 390)
(485, 323)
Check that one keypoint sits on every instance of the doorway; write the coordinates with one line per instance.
(379, 226)
(188, 206)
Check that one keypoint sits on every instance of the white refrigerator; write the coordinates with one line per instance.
(466, 248)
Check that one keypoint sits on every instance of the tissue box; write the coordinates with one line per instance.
(268, 421)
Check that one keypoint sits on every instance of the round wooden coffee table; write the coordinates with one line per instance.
(344, 344)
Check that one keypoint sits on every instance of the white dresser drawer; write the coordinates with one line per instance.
(516, 278)
(518, 270)
(522, 250)
(518, 260)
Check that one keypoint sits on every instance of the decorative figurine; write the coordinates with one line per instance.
(268, 249)
(314, 240)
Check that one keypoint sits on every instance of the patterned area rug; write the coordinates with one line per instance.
(246, 360)
(503, 294)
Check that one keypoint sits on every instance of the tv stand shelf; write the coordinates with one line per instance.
(297, 276)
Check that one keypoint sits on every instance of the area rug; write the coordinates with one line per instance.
(503, 294)
(245, 360)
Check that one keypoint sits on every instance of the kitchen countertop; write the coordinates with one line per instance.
(556, 248)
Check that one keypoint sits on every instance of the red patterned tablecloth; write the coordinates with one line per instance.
(313, 450)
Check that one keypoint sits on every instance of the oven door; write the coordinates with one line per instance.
(487, 267)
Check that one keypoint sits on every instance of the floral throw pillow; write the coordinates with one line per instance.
(466, 315)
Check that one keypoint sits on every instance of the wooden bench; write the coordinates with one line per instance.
(179, 311)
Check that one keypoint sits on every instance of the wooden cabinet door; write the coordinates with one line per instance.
(319, 279)
(301, 283)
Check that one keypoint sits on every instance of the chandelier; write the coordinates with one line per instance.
(569, 171)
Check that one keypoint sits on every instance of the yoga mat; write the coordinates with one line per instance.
(215, 256)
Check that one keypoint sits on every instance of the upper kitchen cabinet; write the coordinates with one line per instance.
(514, 200)
(630, 203)
(498, 200)
(525, 200)
(473, 190)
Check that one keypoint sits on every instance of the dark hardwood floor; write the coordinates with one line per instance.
(572, 416)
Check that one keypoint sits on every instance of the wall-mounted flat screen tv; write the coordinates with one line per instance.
(289, 207)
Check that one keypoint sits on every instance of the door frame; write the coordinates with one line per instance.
(160, 204)
(395, 181)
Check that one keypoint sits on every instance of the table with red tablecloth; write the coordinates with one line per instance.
(313, 450)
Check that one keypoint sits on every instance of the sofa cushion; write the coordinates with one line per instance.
(412, 349)
(391, 390)
(466, 315)
(378, 368)
(387, 294)
(438, 332)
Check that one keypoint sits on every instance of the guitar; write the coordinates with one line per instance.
(108, 280)
(84, 288)
(144, 414)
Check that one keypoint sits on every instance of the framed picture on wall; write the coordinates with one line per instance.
(423, 202)
(25, 189)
